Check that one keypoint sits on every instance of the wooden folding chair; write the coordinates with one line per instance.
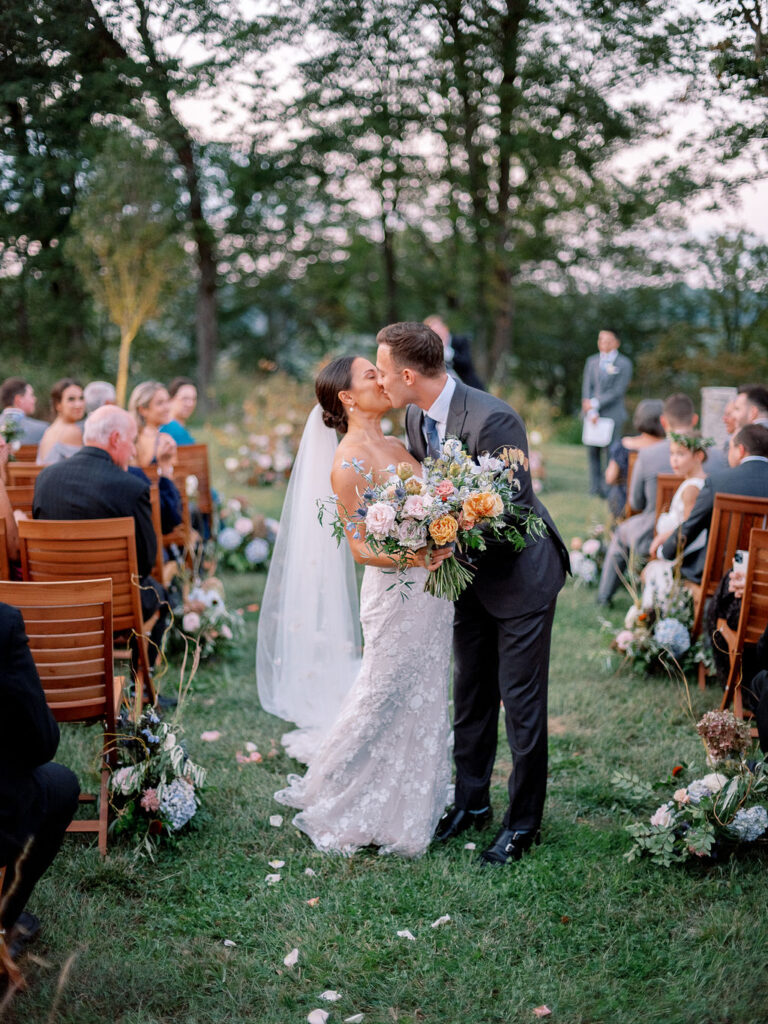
(26, 453)
(666, 486)
(69, 626)
(82, 549)
(164, 571)
(21, 497)
(23, 473)
(192, 460)
(753, 619)
(632, 459)
(5, 568)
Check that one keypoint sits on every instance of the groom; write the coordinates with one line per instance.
(503, 620)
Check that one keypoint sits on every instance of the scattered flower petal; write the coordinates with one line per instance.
(253, 758)
(441, 920)
(542, 1011)
(310, 872)
(330, 996)
(210, 736)
(277, 863)
(405, 934)
(313, 902)
(318, 1017)
(250, 747)
(229, 942)
(272, 879)
(470, 846)
(276, 820)
(252, 607)
(292, 958)
(355, 1019)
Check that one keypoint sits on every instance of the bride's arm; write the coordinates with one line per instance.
(347, 483)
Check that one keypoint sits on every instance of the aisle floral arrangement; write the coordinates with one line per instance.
(205, 619)
(154, 786)
(244, 542)
(456, 502)
(714, 815)
(587, 556)
(11, 432)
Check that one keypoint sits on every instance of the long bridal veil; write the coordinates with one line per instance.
(308, 645)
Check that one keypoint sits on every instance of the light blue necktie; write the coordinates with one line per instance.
(433, 437)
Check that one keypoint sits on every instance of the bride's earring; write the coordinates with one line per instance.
(352, 407)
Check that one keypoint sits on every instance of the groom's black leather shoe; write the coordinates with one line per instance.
(509, 844)
(455, 821)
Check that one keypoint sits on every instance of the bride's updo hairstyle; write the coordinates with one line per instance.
(333, 378)
(414, 346)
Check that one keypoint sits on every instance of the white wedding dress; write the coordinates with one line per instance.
(381, 775)
(375, 732)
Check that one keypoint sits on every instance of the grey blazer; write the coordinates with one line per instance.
(608, 388)
(507, 582)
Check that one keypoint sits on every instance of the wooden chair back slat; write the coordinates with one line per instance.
(192, 460)
(666, 485)
(20, 497)
(26, 453)
(75, 665)
(733, 519)
(5, 568)
(75, 549)
(631, 460)
(23, 472)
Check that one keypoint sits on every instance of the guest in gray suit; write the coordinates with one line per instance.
(17, 400)
(503, 620)
(604, 385)
(633, 537)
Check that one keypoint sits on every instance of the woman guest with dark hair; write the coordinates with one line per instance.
(183, 394)
(65, 434)
(647, 423)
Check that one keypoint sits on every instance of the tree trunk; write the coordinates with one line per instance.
(390, 277)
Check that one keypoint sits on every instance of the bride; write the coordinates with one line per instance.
(380, 774)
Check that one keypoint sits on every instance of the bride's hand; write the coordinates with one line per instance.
(436, 557)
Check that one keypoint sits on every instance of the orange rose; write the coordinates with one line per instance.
(444, 530)
(483, 505)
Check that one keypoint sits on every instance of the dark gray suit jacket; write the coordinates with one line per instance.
(507, 582)
(90, 486)
(749, 479)
(608, 388)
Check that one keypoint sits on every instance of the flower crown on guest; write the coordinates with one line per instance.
(693, 442)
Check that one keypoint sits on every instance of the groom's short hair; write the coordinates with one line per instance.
(414, 345)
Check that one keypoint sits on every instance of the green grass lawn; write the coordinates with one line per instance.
(572, 927)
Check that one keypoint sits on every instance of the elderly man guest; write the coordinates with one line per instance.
(604, 385)
(98, 393)
(94, 484)
(17, 400)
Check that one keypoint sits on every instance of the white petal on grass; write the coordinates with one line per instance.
(310, 872)
(441, 920)
(276, 820)
(330, 996)
(318, 1017)
(292, 959)
(249, 746)
(277, 863)
(405, 934)
(470, 846)
(355, 1019)
(272, 879)
(229, 942)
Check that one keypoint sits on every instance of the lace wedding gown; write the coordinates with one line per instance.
(381, 775)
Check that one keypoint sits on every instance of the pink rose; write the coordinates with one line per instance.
(624, 638)
(663, 816)
(416, 505)
(680, 796)
(191, 622)
(590, 547)
(444, 489)
(379, 520)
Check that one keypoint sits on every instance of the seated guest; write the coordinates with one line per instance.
(38, 798)
(183, 394)
(150, 406)
(647, 423)
(94, 484)
(6, 511)
(750, 406)
(65, 435)
(747, 475)
(687, 454)
(17, 400)
(170, 500)
(98, 393)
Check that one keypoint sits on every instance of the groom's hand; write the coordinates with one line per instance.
(436, 557)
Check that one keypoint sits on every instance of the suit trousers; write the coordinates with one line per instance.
(597, 466)
(503, 659)
(46, 822)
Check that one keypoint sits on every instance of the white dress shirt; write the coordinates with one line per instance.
(441, 406)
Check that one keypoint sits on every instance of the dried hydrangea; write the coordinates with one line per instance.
(724, 734)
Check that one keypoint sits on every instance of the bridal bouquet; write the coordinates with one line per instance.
(456, 501)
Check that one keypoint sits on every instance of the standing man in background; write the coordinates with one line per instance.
(606, 379)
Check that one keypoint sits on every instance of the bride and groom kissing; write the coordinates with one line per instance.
(375, 730)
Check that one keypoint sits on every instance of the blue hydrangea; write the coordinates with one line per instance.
(750, 823)
(229, 538)
(257, 551)
(178, 804)
(673, 635)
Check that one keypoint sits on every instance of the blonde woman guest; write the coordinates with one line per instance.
(65, 435)
(183, 401)
(150, 405)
